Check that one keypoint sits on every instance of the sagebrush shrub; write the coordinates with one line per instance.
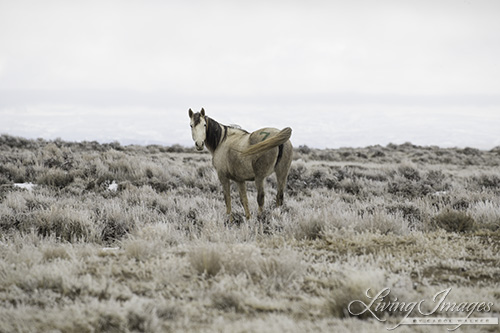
(227, 301)
(350, 186)
(65, 223)
(12, 173)
(407, 188)
(487, 214)
(409, 212)
(489, 181)
(409, 172)
(296, 177)
(310, 229)
(454, 221)
(56, 177)
(115, 222)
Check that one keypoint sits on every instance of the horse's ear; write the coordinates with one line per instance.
(190, 113)
(202, 112)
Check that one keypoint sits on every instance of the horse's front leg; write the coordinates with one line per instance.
(226, 188)
(244, 199)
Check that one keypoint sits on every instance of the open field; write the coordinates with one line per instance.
(135, 239)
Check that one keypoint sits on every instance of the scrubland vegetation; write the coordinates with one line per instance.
(135, 239)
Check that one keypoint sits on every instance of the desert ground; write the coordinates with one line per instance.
(111, 238)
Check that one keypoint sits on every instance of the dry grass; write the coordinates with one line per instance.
(156, 253)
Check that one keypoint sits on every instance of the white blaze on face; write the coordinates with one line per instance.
(198, 128)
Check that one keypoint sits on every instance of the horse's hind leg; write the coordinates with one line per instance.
(244, 199)
(281, 188)
(279, 196)
(281, 170)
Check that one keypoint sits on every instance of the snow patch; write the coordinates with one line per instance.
(113, 186)
(25, 186)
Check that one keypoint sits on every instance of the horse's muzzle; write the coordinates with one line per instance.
(199, 146)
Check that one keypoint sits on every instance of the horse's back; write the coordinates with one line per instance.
(262, 134)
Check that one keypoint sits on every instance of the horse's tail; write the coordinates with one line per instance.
(272, 142)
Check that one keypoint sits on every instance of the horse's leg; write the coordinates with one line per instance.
(259, 183)
(282, 170)
(226, 188)
(280, 194)
(244, 199)
(281, 177)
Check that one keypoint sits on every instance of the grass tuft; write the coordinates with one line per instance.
(206, 260)
(349, 288)
(55, 252)
(227, 301)
(279, 272)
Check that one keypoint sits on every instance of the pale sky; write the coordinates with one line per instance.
(340, 73)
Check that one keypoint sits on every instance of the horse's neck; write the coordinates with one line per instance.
(215, 134)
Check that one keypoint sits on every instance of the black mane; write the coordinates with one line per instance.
(214, 134)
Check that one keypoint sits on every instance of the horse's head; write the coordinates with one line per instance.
(198, 128)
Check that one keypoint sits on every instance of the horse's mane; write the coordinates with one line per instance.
(214, 133)
(238, 127)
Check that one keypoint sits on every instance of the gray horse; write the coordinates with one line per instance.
(241, 156)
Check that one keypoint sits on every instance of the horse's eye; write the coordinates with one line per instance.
(191, 126)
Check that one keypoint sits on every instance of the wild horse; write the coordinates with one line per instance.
(241, 156)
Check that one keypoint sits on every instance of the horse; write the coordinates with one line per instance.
(240, 156)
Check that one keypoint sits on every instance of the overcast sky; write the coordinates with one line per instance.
(340, 73)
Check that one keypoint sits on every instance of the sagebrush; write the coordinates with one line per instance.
(133, 239)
